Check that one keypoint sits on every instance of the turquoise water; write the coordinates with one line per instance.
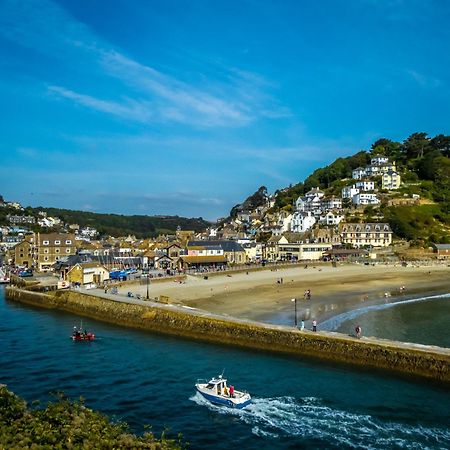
(144, 378)
(424, 320)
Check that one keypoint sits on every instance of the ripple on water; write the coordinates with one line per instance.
(310, 419)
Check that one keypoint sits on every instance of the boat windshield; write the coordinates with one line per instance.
(210, 386)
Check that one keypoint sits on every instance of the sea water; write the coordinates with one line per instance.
(424, 320)
(148, 379)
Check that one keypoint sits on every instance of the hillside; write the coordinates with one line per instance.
(424, 166)
(114, 224)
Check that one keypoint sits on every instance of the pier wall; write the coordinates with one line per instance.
(418, 360)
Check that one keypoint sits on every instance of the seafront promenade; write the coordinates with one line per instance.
(184, 321)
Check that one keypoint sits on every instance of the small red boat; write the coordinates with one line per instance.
(79, 335)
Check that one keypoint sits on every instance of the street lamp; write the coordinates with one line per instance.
(295, 311)
(148, 280)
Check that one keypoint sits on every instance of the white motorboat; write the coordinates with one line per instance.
(218, 392)
(4, 279)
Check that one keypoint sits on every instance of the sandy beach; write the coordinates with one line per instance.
(266, 295)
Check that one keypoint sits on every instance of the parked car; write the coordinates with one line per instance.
(26, 273)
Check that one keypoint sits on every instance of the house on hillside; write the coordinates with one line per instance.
(390, 180)
(365, 199)
(302, 221)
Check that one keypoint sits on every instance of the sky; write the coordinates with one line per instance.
(187, 107)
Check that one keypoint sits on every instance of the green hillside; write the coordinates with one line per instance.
(424, 166)
(115, 224)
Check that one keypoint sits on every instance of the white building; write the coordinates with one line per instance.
(365, 199)
(379, 160)
(365, 185)
(331, 203)
(302, 221)
(349, 191)
(358, 173)
(331, 218)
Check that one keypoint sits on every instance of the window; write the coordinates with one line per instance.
(57, 250)
(57, 242)
(45, 243)
(45, 250)
(68, 242)
(46, 258)
(67, 250)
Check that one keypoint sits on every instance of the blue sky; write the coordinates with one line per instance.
(185, 107)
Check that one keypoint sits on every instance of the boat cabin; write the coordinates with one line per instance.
(218, 386)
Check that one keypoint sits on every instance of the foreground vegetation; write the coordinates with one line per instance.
(67, 425)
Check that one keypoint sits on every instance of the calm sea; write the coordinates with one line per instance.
(147, 379)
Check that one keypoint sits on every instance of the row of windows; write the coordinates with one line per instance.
(68, 242)
(57, 250)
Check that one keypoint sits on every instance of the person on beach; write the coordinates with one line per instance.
(314, 325)
(302, 325)
(358, 331)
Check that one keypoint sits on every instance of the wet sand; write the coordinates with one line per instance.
(261, 295)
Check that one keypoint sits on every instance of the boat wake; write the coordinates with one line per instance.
(335, 322)
(310, 419)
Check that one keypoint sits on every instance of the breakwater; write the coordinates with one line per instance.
(418, 360)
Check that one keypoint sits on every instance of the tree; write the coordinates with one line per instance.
(417, 145)
(441, 143)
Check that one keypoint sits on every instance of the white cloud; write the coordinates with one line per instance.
(236, 98)
(130, 109)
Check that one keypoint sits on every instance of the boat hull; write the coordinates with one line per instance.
(220, 400)
(89, 338)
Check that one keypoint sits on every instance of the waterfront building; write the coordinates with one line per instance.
(366, 234)
(88, 274)
(51, 247)
(23, 253)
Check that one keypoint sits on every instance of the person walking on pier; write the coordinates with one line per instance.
(314, 325)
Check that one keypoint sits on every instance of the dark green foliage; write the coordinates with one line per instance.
(257, 199)
(120, 225)
(289, 196)
(338, 170)
(67, 425)
(422, 224)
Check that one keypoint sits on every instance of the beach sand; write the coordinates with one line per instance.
(261, 296)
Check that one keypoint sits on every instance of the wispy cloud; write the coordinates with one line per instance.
(128, 109)
(146, 94)
(423, 80)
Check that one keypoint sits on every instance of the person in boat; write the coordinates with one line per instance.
(231, 390)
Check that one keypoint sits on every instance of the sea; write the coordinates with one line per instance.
(147, 380)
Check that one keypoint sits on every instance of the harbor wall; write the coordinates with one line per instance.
(413, 359)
